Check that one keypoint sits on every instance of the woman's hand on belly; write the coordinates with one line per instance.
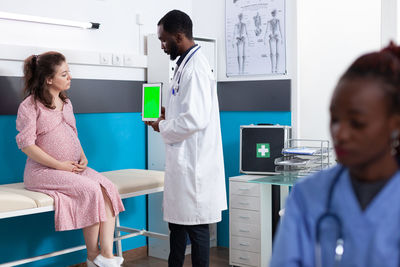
(83, 162)
(38, 155)
(68, 166)
(81, 166)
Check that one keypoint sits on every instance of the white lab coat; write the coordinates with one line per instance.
(194, 186)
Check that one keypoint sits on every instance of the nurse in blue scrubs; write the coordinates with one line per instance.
(350, 215)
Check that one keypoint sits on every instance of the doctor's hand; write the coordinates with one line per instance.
(155, 124)
(163, 112)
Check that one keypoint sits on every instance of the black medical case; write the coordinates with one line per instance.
(260, 145)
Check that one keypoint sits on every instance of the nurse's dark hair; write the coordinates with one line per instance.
(37, 69)
(384, 67)
(177, 21)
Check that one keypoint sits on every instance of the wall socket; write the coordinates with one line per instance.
(117, 59)
(105, 58)
(128, 60)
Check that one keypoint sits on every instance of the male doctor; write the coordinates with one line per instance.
(194, 187)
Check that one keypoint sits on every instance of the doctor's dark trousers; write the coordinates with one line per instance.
(199, 236)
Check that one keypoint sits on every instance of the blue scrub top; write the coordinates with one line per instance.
(371, 237)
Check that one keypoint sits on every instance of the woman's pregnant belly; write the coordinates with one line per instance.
(61, 143)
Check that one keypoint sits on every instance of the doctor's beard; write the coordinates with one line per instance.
(173, 51)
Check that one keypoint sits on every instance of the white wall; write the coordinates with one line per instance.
(118, 32)
(323, 38)
(331, 34)
(390, 31)
(209, 21)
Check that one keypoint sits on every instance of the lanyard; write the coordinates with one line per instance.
(174, 91)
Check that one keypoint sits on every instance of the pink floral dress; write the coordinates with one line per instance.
(78, 198)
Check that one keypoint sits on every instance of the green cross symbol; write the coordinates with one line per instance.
(263, 151)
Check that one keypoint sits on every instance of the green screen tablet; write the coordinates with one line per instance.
(151, 101)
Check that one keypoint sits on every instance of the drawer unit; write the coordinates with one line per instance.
(244, 258)
(245, 202)
(247, 244)
(245, 216)
(244, 189)
(246, 230)
(250, 224)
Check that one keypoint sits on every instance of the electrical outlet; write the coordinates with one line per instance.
(117, 59)
(128, 60)
(105, 58)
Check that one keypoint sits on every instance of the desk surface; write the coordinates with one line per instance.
(281, 179)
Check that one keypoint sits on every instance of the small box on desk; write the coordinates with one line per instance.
(260, 145)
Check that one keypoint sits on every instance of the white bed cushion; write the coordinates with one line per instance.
(41, 199)
(16, 197)
(134, 180)
(10, 202)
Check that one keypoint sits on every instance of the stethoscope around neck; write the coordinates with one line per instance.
(177, 80)
(328, 214)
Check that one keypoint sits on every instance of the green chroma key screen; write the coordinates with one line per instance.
(151, 103)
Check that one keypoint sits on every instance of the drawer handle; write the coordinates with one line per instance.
(244, 189)
(244, 217)
(243, 258)
(243, 231)
(244, 244)
(244, 203)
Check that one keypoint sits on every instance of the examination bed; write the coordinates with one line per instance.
(15, 201)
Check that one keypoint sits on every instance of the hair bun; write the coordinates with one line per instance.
(393, 49)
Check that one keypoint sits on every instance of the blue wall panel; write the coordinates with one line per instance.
(111, 141)
(12, 160)
(230, 127)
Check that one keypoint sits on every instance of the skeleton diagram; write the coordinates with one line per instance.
(257, 23)
(274, 34)
(239, 39)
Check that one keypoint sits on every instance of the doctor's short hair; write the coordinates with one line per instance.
(382, 66)
(177, 21)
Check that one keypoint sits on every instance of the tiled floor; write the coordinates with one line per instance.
(219, 257)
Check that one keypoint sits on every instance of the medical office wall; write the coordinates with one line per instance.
(115, 139)
(322, 37)
(105, 97)
(243, 100)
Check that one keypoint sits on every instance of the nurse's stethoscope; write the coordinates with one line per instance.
(178, 73)
(339, 249)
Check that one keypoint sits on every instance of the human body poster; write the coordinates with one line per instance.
(255, 37)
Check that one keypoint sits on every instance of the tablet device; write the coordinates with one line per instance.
(151, 101)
